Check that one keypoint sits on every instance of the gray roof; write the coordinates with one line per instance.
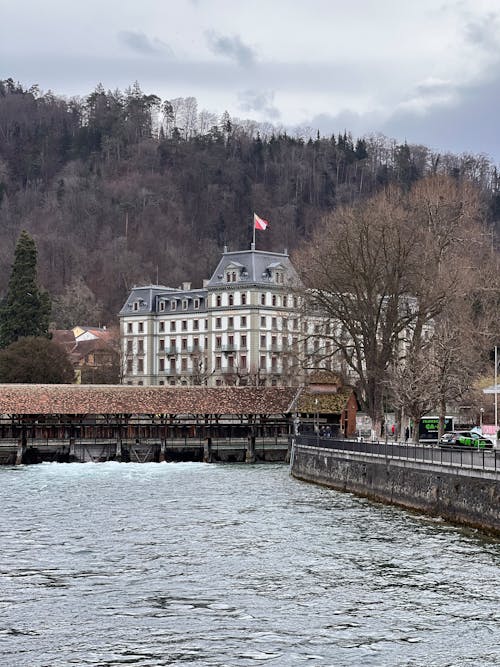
(254, 267)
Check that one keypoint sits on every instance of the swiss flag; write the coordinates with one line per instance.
(259, 223)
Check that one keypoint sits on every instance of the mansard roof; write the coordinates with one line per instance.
(255, 268)
(71, 399)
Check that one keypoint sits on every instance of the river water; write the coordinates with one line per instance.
(194, 564)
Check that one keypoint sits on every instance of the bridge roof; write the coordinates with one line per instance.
(71, 399)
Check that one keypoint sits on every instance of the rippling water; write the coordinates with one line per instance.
(193, 564)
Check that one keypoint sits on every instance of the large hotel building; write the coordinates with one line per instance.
(241, 327)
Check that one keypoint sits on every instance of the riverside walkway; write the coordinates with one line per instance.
(460, 457)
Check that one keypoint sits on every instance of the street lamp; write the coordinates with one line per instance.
(496, 395)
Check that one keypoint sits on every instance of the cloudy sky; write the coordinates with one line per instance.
(427, 71)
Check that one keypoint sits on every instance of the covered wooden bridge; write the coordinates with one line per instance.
(101, 422)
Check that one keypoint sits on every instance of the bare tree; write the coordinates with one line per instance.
(382, 271)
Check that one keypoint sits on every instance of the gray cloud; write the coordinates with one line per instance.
(262, 102)
(231, 47)
(483, 32)
(455, 127)
(141, 43)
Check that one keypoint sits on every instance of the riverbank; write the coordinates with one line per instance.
(463, 495)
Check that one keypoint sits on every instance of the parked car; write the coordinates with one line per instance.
(465, 439)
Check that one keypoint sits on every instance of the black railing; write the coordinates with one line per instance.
(463, 457)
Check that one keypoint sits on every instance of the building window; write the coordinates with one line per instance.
(263, 322)
(172, 344)
(196, 344)
(196, 304)
(196, 325)
(184, 325)
(230, 361)
(140, 365)
(172, 365)
(230, 342)
(140, 383)
(263, 299)
(184, 364)
(230, 322)
(274, 323)
(140, 346)
(184, 344)
(161, 383)
(243, 361)
(130, 327)
(285, 301)
(172, 326)
(263, 341)
(231, 299)
(218, 342)
(136, 305)
(206, 325)
(263, 363)
(218, 323)
(173, 305)
(243, 341)
(162, 343)
(141, 327)
(162, 327)
(162, 364)
(218, 363)
(274, 363)
(184, 304)
(273, 299)
(162, 306)
(218, 301)
(243, 322)
(129, 346)
(129, 365)
(244, 299)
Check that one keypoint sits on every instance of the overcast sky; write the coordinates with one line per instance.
(427, 71)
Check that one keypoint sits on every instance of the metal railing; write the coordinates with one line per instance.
(462, 457)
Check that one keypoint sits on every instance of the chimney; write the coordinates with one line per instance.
(206, 281)
(186, 286)
(225, 249)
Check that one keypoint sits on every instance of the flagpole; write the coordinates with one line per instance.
(253, 242)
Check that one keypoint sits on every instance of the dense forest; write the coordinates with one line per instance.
(119, 188)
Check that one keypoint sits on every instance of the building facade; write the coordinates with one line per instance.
(241, 328)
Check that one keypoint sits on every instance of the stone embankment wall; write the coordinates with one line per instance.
(459, 495)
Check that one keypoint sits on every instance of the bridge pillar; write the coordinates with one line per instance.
(21, 451)
(72, 449)
(207, 450)
(163, 450)
(118, 454)
(250, 453)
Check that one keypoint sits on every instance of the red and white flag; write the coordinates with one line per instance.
(259, 223)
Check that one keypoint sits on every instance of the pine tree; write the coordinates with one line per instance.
(25, 311)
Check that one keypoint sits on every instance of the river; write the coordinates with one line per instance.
(196, 564)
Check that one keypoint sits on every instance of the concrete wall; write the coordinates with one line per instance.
(464, 496)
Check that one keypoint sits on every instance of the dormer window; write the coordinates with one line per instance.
(162, 306)
(218, 301)
(135, 305)
(231, 276)
(196, 304)
(231, 299)
(184, 304)
(173, 305)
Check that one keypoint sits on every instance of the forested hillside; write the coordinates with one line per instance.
(119, 188)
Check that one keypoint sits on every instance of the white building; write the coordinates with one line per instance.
(241, 327)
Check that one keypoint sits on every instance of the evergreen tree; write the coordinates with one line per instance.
(35, 360)
(25, 311)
